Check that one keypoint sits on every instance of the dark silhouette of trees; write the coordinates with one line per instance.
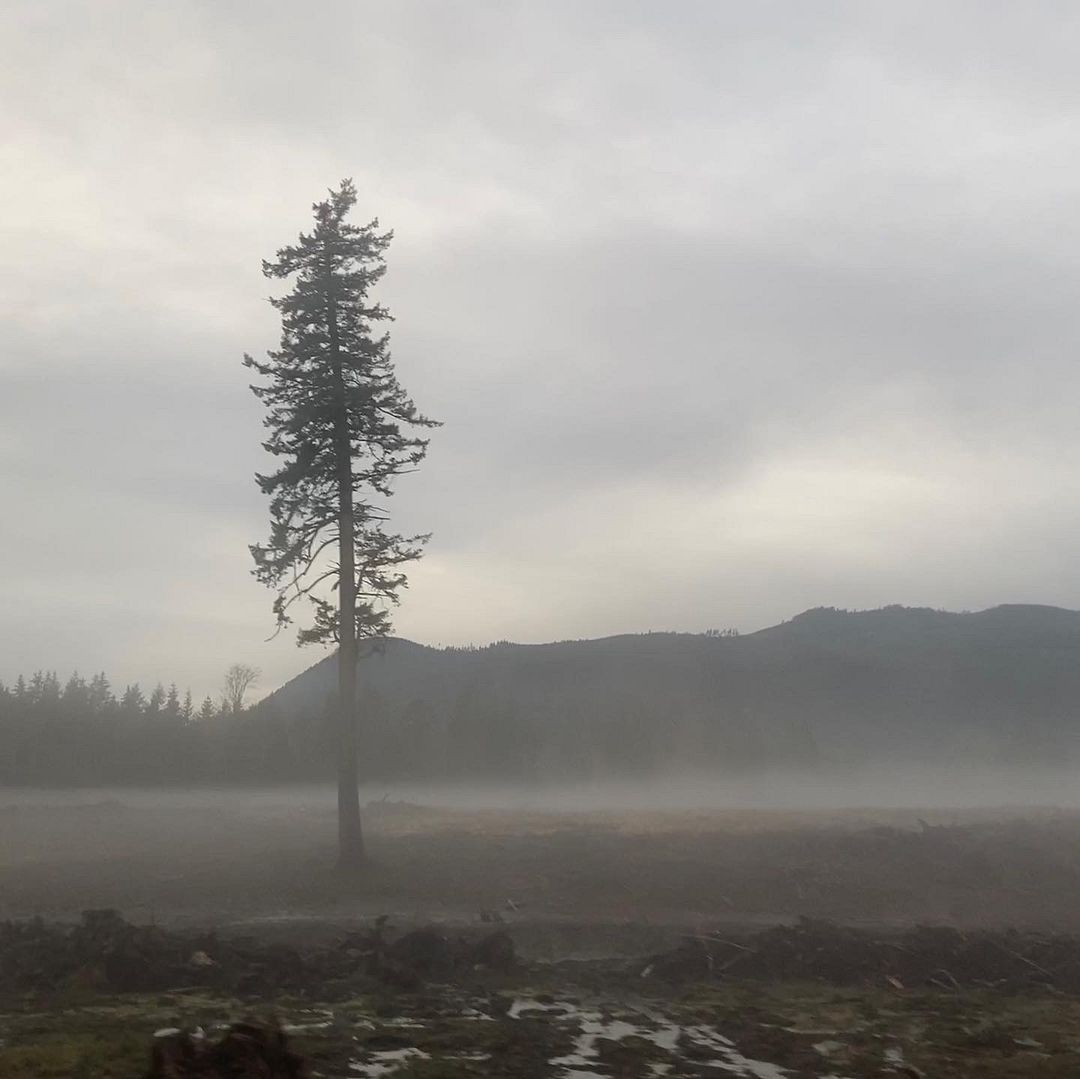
(341, 426)
(84, 735)
(827, 690)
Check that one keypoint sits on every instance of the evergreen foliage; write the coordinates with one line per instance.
(342, 428)
(338, 417)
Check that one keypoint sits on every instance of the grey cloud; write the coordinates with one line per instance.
(728, 309)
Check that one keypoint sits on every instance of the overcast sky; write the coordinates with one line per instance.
(729, 310)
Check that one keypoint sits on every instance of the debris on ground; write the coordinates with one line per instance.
(105, 952)
(247, 1051)
(923, 957)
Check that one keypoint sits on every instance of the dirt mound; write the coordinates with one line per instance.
(103, 951)
(925, 956)
(422, 954)
(247, 1051)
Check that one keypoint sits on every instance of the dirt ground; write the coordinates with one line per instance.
(643, 938)
(101, 999)
(219, 858)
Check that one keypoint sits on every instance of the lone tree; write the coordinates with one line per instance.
(344, 429)
(239, 678)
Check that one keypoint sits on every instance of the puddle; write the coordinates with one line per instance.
(523, 1007)
(675, 1048)
(306, 1028)
(698, 1044)
(728, 1058)
(894, 1057)
(475, 1015)
(386, 1062)
(309, 1020)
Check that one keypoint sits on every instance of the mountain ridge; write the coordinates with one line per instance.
(828, 685)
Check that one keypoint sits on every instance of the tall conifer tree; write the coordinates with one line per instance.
(344, 428)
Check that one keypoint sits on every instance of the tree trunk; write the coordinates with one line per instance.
(350, 833)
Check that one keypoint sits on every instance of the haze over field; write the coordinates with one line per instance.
(705, 699)
(729, 310)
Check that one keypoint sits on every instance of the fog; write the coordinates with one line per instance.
(657, 424)
(880, 847)
(1001, 790)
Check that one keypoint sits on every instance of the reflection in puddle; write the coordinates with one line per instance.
(703, 1044)
(663, 1047)
(386, 1061)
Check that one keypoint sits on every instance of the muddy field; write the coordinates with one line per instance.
(221, 858)
(102, 998)
(689, 942)
(533, 1032)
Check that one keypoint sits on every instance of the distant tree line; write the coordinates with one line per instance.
(827, 689)
(83, 733)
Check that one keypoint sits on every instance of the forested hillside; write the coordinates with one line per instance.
(827, 689)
